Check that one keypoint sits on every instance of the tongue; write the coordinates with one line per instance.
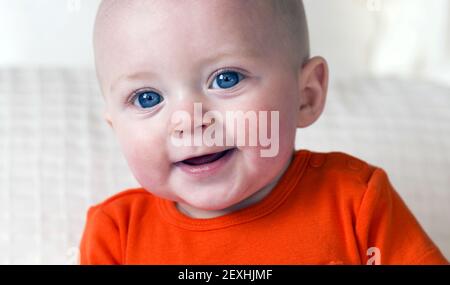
(204, 158)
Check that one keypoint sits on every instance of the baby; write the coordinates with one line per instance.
(205, 97)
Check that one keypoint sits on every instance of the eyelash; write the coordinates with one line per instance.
(135, 93)
(227, 69)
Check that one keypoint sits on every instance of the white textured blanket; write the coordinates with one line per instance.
(58, 156)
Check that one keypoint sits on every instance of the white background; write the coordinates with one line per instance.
(404, 38)
(388, 104)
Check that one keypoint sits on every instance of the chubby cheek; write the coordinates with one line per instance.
(280, 136)
(267, 161)
(146, 155)
(280, 121)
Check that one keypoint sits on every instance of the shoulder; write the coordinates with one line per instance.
(126, 196)
(340, 167)
(123, 203)
(340, 176)
(344, 185)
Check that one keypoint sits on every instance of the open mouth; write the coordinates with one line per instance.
(206, 159)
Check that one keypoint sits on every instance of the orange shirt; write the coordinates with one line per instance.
(328, 208)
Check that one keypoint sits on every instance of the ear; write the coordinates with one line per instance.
(313, 90)
(107, 117)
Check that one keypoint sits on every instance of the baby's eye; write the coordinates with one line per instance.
(227, 79)
(147, 99)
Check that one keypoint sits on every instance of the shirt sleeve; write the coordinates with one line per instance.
(100, 243)
(387, 231)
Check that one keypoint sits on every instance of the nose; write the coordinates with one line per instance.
(188, 118)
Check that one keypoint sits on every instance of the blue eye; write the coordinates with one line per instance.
(147, 99)
(227, 79)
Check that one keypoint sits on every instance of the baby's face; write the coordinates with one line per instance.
(157, 58)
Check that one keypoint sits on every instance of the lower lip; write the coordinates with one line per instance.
(207, 169)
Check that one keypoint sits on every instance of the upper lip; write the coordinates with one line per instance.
(202, 154)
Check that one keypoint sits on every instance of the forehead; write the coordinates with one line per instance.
(136, 31)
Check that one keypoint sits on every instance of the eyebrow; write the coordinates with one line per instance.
(131, 77)
(249, 53)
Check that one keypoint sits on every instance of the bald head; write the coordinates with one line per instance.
(292, 18)
(289, 13)
(285, 20)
